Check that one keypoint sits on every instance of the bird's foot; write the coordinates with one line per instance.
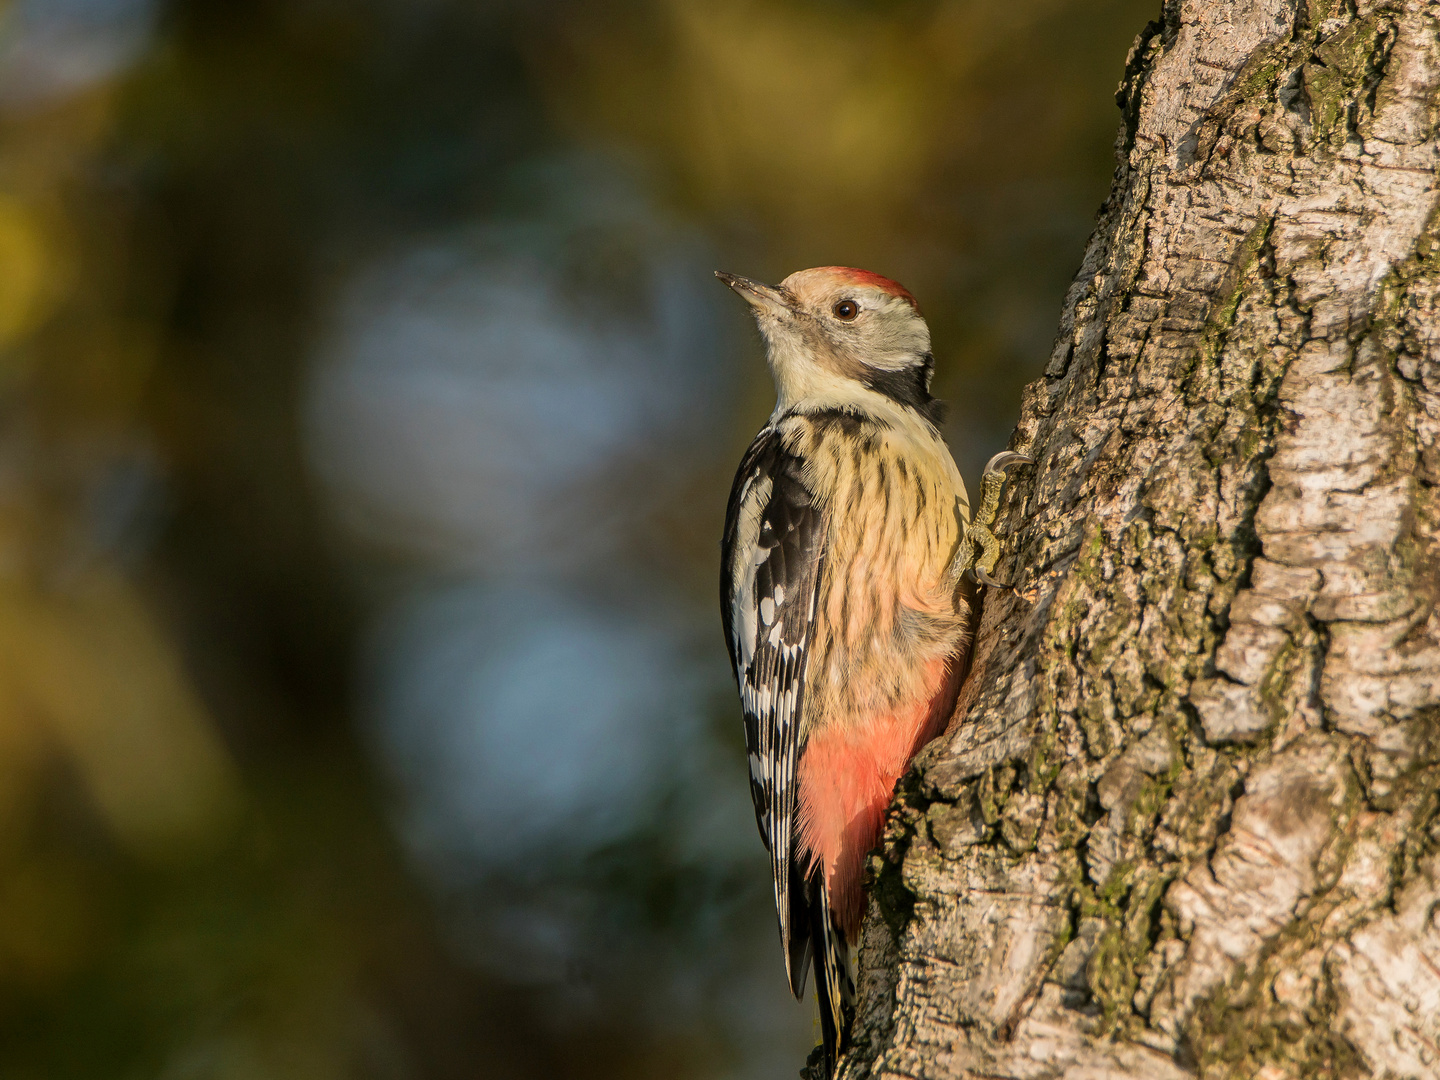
(979, 549)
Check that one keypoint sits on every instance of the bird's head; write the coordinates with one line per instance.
(831, 327)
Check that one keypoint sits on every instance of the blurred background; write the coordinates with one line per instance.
(367, 413)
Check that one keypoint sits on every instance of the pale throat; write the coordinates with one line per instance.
(801, 376)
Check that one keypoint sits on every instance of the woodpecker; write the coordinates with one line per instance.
(849, 572)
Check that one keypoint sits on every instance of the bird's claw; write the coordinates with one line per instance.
(982, 577)
(1003, 460)
(979, 549)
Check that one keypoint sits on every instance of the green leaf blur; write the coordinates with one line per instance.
(202, 874)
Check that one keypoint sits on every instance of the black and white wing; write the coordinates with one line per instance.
(769, 582)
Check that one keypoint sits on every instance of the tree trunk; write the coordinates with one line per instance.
(1184, 822)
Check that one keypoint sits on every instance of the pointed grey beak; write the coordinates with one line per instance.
(765, 298)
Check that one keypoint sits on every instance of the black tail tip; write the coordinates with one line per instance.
(817, 1065)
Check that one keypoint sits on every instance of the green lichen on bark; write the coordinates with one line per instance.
(1341, 68)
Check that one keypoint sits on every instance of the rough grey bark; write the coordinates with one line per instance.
(1185, 822)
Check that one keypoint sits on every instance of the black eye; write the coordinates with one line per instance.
(845, 310)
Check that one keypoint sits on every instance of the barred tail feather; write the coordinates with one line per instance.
(800, 930)
(834, 974)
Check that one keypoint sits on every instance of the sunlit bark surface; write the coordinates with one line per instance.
(1184, 822)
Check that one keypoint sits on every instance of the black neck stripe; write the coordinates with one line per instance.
(909, 386)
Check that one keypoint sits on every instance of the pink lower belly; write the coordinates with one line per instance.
(847, 776)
